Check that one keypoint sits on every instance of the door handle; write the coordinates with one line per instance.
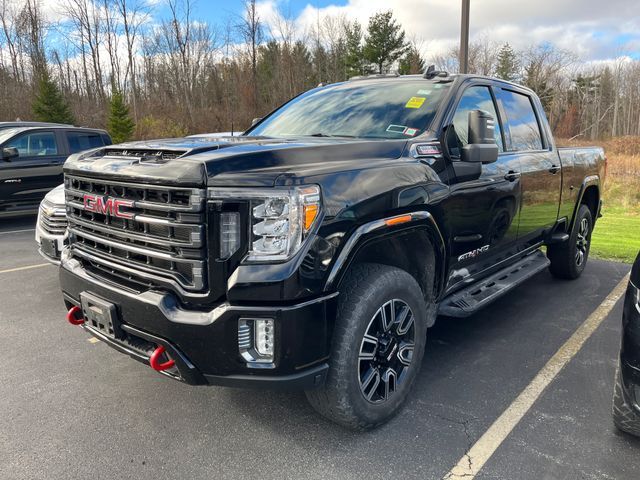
(554, 169)
(512, 176)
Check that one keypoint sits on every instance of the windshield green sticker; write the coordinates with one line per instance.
(424, 92)
(415, 102)
(401, 129)
(396, 128)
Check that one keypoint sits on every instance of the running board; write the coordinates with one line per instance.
(478, 295)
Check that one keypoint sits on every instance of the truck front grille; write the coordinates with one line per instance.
(53, 219)
(163, 244)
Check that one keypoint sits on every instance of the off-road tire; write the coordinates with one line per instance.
(564, 256)
(625, 417)
(363, 292)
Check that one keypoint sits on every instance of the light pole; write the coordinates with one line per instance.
(464, 37)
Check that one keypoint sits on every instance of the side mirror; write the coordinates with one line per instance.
(255, 120)
(9, 153)
(482, 144)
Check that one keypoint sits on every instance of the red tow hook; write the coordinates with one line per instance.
(74, 316)
(154, 360)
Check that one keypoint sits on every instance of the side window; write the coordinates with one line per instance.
(106, 139)
(474, 98)
(37, 144)
(521, 119)
(79, 141)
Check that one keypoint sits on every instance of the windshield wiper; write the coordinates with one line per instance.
(320, 134)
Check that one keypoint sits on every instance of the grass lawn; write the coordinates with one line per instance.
(617, 234)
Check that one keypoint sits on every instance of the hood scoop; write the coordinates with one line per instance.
(144, 156)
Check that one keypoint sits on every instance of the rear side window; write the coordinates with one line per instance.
(37, 144)
(79, 141)
(521, 120)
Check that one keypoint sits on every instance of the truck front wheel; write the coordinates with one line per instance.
(569, 258)
(378, 345)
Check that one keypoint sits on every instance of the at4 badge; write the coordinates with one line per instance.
(473, 253)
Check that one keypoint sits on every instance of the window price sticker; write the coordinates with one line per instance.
(415, 102)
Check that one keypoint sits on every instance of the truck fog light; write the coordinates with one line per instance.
(264, 337)
(256, 341)
(229, 234)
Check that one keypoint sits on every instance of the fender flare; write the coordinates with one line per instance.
(379, 228)
(589, 181)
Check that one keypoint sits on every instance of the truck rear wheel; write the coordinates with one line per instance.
(568, 259)
(378, 345)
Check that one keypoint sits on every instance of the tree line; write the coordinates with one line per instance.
(111, 63)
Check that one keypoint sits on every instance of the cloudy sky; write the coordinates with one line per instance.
(594, 29)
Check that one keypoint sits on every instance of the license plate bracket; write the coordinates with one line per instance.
(49, 247)
(101, 315)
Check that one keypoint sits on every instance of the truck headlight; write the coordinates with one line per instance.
(280, 218)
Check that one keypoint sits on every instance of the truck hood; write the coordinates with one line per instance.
(228, 161)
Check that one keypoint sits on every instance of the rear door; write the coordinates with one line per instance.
(539, 164)
(80, 140)
(25, 180)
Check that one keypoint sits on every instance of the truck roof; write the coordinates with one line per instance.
(441, 77)
(16, 130)
(31, 124)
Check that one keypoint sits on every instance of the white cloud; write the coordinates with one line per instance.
(591, 28)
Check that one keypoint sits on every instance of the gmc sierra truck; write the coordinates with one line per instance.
(316, 249)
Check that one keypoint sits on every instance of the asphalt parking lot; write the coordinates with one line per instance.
(71, 408)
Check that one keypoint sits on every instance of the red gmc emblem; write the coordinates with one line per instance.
(107, 205)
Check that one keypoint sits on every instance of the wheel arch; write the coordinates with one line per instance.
(417, 248)
(589, 196)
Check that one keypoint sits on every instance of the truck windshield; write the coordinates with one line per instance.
(384, 109)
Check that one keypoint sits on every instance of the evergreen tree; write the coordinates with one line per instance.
(355, 63)
(412, 62)
(49, 104)
(384, 42)
(508, 64)
(119, 123)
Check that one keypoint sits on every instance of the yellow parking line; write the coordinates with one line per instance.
(93, 340)
(28, 267)
(473, 461)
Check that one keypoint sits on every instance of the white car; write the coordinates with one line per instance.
(51, 229)
(215, 135)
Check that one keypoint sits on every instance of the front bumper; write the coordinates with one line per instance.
(204, 344)
(630, 350)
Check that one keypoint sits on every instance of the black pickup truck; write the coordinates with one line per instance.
(315, 250)
(31, 158)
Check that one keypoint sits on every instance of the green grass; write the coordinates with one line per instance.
(617, 234)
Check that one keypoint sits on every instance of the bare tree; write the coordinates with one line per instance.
(251, 31)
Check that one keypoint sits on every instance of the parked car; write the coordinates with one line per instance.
(51, 227)
(215, 135)
(31, 161)
(315, 250)
(626, 394)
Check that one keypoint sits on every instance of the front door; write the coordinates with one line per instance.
(25, 180)
(481, 214)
